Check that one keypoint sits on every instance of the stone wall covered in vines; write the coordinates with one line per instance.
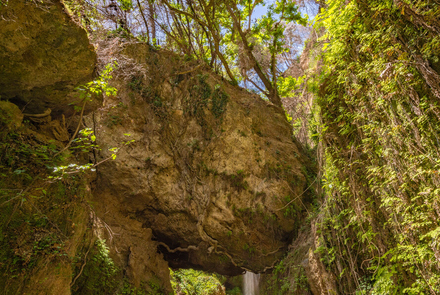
(379, 99)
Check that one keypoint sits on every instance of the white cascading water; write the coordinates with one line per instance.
(250, 283)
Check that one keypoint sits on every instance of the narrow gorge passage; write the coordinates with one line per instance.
(219, 147)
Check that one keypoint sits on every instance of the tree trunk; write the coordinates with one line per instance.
(152, 12)
(273, 95)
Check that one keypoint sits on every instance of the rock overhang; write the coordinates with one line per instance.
(213, 169)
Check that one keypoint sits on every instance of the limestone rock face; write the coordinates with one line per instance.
(44, 54)
(211, 169)
(320, 280)
(133, 250)
(301, 269)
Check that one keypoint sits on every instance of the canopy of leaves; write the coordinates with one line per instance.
(224, 35)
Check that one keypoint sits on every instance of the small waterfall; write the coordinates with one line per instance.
(250, 283)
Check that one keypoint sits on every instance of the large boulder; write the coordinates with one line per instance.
(44, 55)
(212, 169)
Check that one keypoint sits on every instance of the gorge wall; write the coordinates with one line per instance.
(375, 86)
(102, 191)
(380, 105)
(44, 55)
(206, 174)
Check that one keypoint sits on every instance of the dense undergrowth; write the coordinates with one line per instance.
(379, 104)
(190, 281)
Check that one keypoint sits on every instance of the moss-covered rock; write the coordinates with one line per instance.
(10, 116)
(213, 170)
(44, 54)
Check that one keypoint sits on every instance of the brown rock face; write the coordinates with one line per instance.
(213, 170)
(43, 56)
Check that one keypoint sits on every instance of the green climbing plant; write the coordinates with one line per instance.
(379, 107)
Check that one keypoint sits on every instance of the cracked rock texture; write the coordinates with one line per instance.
(207, 175)
(44, 55)
(212, 170)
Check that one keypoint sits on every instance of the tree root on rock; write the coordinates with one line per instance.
(180, 249)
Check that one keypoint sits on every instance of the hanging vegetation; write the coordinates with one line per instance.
(379, 105)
